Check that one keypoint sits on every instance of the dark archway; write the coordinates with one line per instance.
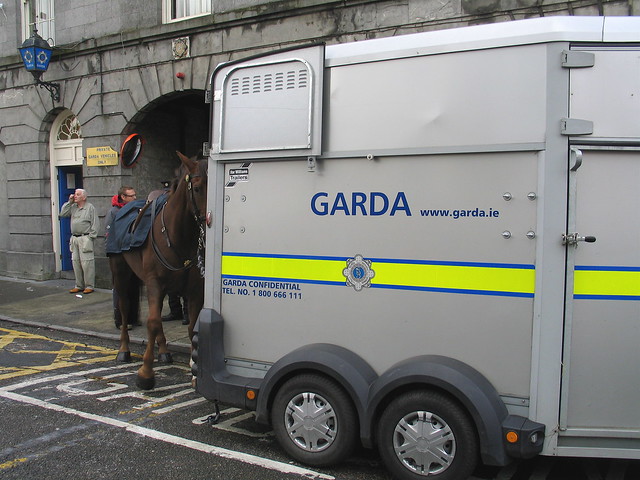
(178, 121)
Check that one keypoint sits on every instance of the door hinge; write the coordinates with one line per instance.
(575, 126)
(574, 59)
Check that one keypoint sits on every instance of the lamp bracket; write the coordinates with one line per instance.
(53, 88)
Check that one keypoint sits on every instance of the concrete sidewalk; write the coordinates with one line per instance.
(49, 304)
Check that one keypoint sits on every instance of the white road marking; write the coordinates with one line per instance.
(178, 406)
(173, 439)
(9, 393)
(227, 426)
(63, 376)
(143, 396)
(160, 400)
(70, 388)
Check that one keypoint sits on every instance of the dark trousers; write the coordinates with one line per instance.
(177, 309)
(134, 309)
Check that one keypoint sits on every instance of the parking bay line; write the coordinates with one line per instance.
(168, 438)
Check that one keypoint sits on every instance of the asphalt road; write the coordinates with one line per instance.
(68, 410)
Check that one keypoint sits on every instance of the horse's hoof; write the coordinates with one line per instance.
(165, 358)
(145, 383)
(124, 357)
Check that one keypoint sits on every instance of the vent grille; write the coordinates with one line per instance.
(270, 82)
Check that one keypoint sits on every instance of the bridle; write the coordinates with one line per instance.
(200, 222)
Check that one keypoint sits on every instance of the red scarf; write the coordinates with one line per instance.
(115, 202)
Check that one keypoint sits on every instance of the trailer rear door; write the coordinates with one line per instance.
(601, 383)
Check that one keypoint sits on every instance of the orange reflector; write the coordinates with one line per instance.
(251, 395)
(512, 437)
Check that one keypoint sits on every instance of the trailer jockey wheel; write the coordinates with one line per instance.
(426, 434)
(314, 420)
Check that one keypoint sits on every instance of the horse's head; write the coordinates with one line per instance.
(193, 176)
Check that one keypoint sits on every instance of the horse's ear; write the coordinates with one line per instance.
(187, 162)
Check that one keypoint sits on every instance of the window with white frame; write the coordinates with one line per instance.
(173, 10)
(39, 14)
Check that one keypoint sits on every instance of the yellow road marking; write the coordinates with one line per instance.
(12, 463)
(68, 354)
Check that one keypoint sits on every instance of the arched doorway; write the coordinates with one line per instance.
(65, 152)
(178, 121)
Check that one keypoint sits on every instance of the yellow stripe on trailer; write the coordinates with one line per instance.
(290, 268)
(454, 277)
(603, 283)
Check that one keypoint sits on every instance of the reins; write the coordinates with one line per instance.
(198, 218)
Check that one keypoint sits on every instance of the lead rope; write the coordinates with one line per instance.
(199, 219)
(201, 250)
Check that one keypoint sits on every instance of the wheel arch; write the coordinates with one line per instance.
(349, 370)
(454, 378)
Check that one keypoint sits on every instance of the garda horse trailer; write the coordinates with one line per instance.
(430, 245)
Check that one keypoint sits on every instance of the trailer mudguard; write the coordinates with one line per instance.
(348, 369)
(459, 380)
(214, 382)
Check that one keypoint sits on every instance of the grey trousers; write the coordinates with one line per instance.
(83, 261)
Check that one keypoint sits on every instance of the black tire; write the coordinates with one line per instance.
(450, 452)
(314, 420)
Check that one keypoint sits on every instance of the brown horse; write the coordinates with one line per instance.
(171, 260)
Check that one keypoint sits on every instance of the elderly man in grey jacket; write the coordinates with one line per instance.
(84, 230)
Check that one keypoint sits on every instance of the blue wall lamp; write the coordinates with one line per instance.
(36, 55)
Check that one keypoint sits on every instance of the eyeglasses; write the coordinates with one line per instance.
(127, 195)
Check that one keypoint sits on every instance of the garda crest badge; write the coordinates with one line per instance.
(358, 272)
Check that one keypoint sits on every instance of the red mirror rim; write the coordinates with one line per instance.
(131, 150)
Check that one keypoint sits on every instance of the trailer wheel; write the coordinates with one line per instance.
(314, 420)
(424, 433)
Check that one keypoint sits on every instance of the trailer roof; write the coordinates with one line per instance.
(584, 29)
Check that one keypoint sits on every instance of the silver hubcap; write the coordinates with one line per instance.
(424, 443)
(311, 422)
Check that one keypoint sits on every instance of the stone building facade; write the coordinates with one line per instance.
(143, 67)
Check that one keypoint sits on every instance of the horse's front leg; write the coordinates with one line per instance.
(146, 376)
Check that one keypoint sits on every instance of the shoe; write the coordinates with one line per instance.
(185, 321)
(119, 325)
(87, 291)
(171, 316)
(75, 290)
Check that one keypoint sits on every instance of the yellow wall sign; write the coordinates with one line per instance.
(101, 157)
